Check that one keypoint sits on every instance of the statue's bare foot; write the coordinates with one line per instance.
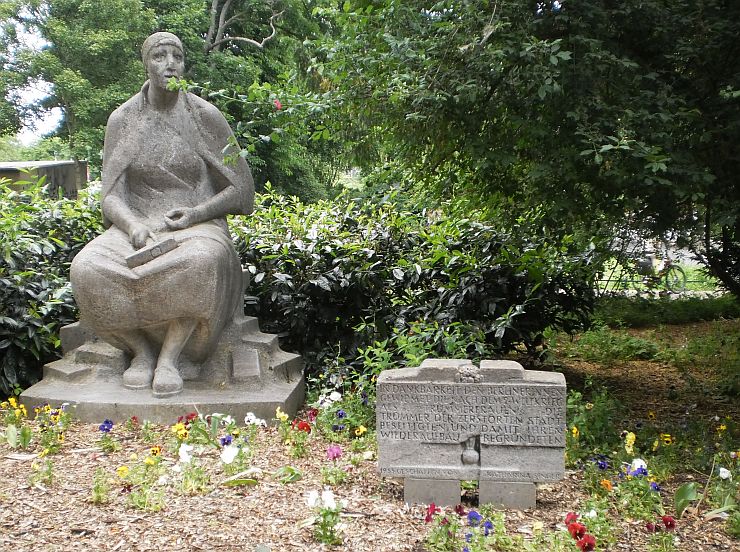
(167, 380)
(140, 372)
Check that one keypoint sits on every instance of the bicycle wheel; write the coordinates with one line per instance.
(675, 279)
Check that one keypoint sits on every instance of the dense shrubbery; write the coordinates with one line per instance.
(338, 280)
(39, 236)
(333, 278)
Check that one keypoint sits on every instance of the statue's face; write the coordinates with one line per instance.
(164, 61)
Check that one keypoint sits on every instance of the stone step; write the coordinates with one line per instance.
(64, 370)
(262, 341)
(100, 353)
(286, 366)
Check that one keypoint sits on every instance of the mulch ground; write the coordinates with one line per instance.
(273, 516)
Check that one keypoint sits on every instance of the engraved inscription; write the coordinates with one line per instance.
(451, 473)
(518, 414)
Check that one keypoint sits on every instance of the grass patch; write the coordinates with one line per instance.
(641, 312)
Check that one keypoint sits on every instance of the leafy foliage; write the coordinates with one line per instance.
(598, 114)
(38, 239)
(346, 274)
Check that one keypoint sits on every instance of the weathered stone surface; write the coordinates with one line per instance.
(161, 291)
(507, 495)
(449, 420)
(443, 492)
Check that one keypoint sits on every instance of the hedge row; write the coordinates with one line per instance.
(332, 278)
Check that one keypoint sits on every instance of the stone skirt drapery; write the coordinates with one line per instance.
(200, 279)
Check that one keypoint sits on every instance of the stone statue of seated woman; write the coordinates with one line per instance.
(164, 280)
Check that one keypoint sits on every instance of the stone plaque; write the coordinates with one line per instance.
(449, 420)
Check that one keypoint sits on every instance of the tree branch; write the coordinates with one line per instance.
(222, 22)
(212, 26)
(260, 44)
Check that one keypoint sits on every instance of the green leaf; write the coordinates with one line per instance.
(684, 496)
(288, 474)
(11, 436)
(240, 482)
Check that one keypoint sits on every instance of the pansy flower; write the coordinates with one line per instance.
(106, 426)
(431, 510)
(587, 543)
(334, 452)
(577, 530)
(669, 522)
(301, 425)
(474, 518)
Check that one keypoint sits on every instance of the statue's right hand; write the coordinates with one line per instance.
(138, 234)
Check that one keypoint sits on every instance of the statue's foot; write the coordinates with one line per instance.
(140, 373)
(167, 381)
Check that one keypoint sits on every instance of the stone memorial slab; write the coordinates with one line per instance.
(449, 420)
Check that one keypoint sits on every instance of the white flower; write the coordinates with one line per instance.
(226, 420)
(228, 453)
(637, 463)
(592, 514)
(251, 419)
(184, 453)
(335, 396)
(313, 499)
(327, 499)
(724, 473)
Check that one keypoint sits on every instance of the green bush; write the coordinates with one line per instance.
(39, 236)
(345, 274)
(332, 278)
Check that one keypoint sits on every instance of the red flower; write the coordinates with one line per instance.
(459, 510)
(577, 530)
(669, 522)
(431, 510)
(301, 425)
(277, 104)
(570, 517)
(312, 414)
(587, 543)
(134, 420)
(650, 527)
(444, 521)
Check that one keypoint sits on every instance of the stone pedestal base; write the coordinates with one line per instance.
(247, 372)
(519, 496)
(443, 492)
(446, 492)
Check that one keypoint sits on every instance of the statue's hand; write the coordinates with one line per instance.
(177, 219)
(138, 235)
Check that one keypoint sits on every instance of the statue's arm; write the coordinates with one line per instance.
(117, 211)
(114, 204)
(236, 194)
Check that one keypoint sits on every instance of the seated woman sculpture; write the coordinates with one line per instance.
(166, 191)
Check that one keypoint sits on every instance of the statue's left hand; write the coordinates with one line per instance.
(177, 219)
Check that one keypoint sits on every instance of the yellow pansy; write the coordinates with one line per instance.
(280, 415)
(360, 431)
(122, 471)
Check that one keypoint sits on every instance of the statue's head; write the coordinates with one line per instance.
(163, 57)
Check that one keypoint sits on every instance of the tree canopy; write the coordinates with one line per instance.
(580, 117)
(591, 114)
